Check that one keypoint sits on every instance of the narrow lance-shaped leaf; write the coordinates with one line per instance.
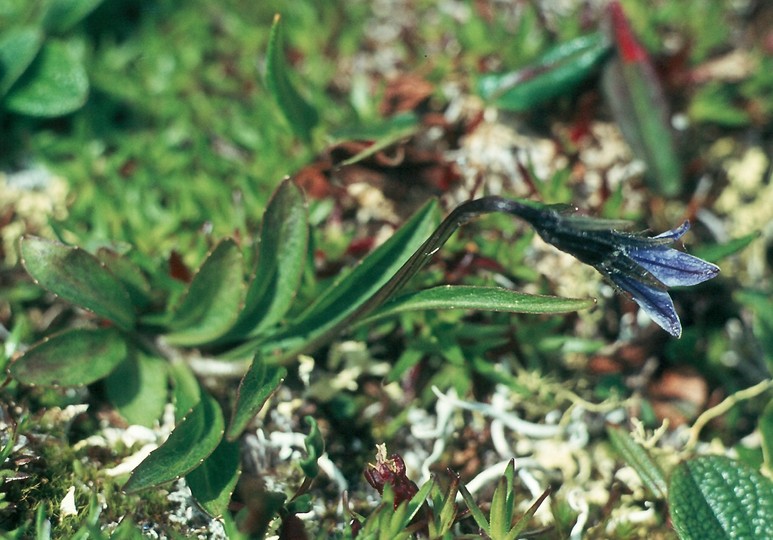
(641, 461)
(472, 506)
(637, 101)
(523, 520)
(282, 255)
(499, 514)
(716, 497)
(72, 358)
(360, 290)
(298, 112)
(79, 278)
(476, 298)
(193, 439)
(213, 299)
(558, 72)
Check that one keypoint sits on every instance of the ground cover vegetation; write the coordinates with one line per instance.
(386, 269)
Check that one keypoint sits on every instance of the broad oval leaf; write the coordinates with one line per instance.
(213, 299)
(281, 259)
(716, 497)
(77, 277)
(72, 358)
(54, 84)
(478, 298)
(298, 112)
(138, 389)
(213, 482)
(18, 48)
(260, 381)
(557, 72)
(191, 442)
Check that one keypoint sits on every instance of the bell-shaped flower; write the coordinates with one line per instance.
(641, 267)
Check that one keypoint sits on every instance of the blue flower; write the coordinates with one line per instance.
(639, 266)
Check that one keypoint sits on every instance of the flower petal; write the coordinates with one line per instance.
(676, 234)
(674, 268)
(655, 303)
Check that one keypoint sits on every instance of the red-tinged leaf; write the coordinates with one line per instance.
(639, 106)
(79, 278)
(192, 441)
(177, 268)
(627, 45)
(71, 358)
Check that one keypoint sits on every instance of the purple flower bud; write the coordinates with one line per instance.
(390, 471)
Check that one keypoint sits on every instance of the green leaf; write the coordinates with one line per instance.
(281, 259)
(71, 358)
(716, 497)
(193, 440)
(255, 388)
(522, 521)
(64, 14)
(354, 291)
(315, 447)
(213, 482)
(383, 136)
(79, 278)
(138, 389)
(499, 514)
(299, 113)
(472, 506)
(54, 84)
(637, 457)
(716, 252)
(186, 392)
(477, 298)
(558, 72)
(18, 48)
(132, 278)
(638, 104)
(213, 299)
